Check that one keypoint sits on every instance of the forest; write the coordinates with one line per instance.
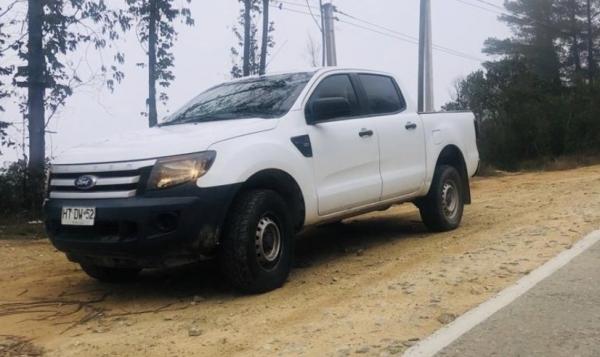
(540, 99)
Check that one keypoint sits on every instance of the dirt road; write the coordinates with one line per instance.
(372, 285)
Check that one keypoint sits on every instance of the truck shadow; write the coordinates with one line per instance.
(314, 247)
(322, 244)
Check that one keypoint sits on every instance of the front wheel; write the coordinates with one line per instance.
(442, 209)
(257, 246)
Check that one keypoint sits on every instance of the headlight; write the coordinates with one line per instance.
(176, 170)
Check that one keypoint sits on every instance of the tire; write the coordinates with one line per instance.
(442, 209)
(256, 249)
(110, 275)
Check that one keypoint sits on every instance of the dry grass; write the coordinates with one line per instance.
(16, 227)
(561, 163)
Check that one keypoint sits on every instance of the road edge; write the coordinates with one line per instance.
(463, 324)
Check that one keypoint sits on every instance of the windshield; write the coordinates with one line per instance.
(263, 97)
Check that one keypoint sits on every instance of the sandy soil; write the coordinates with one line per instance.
(371, 286)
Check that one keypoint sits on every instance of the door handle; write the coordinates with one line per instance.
(410, 126)
(365, 133)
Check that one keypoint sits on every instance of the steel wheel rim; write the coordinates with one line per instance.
(268, 241)
(450, 199)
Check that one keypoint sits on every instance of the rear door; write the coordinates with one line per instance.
(345, 151)
(401, 136)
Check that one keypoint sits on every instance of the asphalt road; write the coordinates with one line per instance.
(558, 317)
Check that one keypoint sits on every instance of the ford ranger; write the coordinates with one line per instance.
(245, 165)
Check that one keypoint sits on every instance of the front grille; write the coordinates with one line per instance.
(110, 180)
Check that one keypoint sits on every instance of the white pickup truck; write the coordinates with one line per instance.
(247, 164)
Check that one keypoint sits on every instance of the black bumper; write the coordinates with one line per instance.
(145, 231)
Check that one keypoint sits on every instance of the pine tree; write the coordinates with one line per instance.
(155, 29)
(570, 14)
(535, 32)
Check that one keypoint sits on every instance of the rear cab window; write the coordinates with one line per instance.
(382, 94)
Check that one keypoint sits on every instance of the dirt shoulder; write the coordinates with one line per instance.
(372, 285)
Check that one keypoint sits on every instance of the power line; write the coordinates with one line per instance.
(406, 37)
(503, 12)
(376, 25)
(491, 4)
(416, 42)
(291, 10)
(482, 8)
(390, 33)
(294, 3)
(313, 16)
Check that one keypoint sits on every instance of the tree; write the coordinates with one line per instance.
(251, 61)
(155, 29)
(538, 100)
(6, 70)
(470, 93)
(313, 52)
(248, 4)
(535, 32)
(56, 29)
(569, 18)
(592, 12)
(557, 39)
(267, 27)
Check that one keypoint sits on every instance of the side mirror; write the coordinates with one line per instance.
(327, 108)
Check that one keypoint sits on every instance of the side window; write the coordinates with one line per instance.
(338, 86)
(382, 94)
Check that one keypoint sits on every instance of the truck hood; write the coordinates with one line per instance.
(162, 141)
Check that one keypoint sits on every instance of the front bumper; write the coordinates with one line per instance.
(144, 231)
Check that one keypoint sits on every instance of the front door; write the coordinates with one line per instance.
(345, 152)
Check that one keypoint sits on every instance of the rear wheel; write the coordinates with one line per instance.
(442, 209)
(257, 246)
(110, 275)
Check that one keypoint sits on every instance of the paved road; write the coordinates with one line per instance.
(558, 317)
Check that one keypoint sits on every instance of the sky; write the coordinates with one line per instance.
(202, 59)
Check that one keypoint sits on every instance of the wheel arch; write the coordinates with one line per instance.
(285, 185)
(452, 155)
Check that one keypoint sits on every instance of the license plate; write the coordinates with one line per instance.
(78, 216)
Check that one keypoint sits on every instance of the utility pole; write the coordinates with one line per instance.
(36, 83)
(329, 34)
(425, 102)
(322, 32)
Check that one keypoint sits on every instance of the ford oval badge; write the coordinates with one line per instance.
(86, 182)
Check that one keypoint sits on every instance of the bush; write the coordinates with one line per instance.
(13, 183)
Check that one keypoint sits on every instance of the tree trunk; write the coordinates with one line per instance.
(265, 38)
(247, 44)
(36, 113)
(152, 39)
(575, 47)
(590, 33)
